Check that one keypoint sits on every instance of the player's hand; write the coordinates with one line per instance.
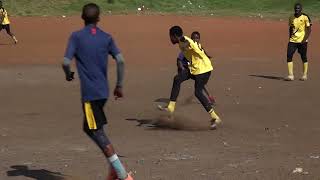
(118, 93)
(70, 76)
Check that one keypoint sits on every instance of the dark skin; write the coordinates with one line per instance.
(196, 38)
(298, 13)
(1, 16)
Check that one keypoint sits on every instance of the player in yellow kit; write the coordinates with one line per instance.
(5, 23)
(299, 32)
(200, 70)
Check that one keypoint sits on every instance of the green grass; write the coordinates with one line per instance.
(268, 8)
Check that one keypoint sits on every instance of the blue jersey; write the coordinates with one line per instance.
(91, 47)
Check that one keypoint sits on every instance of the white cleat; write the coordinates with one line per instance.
(289, 78)
(304, 78)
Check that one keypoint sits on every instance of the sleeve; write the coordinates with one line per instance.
(71, 48)
(113, 49)
(308, 21)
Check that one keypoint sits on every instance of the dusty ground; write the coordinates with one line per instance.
(270, 126)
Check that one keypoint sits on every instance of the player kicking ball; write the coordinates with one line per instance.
(299, 32)
(200, 70)
(183, 63)
(91, 46)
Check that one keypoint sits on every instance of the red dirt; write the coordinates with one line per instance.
(270, 126)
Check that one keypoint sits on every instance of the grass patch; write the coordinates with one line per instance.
(269, 8)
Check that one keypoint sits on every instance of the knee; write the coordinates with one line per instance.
(87, 130)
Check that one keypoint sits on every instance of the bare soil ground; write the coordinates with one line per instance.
(271, 127)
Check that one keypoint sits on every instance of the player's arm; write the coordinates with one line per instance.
(120, 69)
(1, 17)
(307, 30)
(205, 52)
(66, 64)
(67, 69)
(184, 44)
(118, 57)
(290, 28)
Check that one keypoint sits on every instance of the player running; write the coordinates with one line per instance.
(5, 23)
(91, 46)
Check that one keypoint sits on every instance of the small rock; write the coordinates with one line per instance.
(297, 170)
(314, 157)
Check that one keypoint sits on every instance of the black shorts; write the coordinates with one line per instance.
(302, 50)
(6, 27)
(94, 117)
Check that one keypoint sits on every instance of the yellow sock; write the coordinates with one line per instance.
(171, 106)
(305, 69)
(290, 68)
(213, 114)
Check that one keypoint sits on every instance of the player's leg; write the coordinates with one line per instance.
(292, 47)
(7, 27)
(302, 49)
(177, 81)
(211, 98)
(93, 126)
(200, 82)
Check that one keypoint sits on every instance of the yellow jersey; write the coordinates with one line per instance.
(199, 62)
(4, 13)
(298, 27)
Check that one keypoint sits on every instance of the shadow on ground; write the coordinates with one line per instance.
(268, 77)
(38, 174)
(173, 122)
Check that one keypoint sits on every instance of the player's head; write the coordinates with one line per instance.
(91, 13)
(0, 4)
(298, 9)
(175, 34)
(195, 36)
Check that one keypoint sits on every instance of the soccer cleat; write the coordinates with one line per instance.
(289, 78)
(304, 78)
(164, 108)
(129, 177)
(112, 175)
(15, 39)
(214, 123)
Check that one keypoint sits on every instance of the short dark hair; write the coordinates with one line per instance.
(176, 31)
(90, 13)
(297, 4)
(195, 33)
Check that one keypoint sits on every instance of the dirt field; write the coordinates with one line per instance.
(271, 127)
